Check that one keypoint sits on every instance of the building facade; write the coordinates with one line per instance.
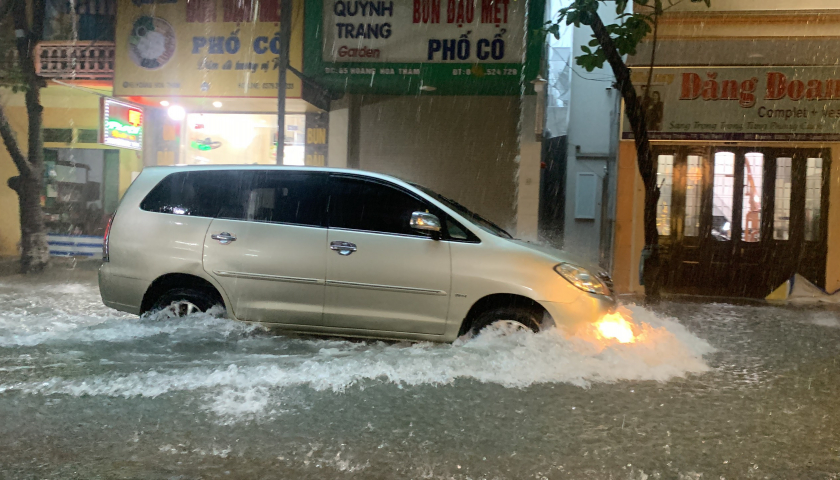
(743, 118)
(435, 92)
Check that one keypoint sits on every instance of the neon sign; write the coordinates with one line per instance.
(121, 124)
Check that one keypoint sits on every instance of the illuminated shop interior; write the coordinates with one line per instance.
(242, 139)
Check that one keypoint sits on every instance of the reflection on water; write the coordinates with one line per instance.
(705, 389)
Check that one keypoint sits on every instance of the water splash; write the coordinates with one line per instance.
(248, 386)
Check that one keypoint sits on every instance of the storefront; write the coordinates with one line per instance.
(206, 74)
(745, 160)
(439, 93)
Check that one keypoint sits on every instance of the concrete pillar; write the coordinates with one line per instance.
(337, 134)
(528, 176)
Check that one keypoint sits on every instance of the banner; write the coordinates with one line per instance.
(206, 48)
(466, 31)
(743, 103)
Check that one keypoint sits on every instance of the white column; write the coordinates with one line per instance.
(528, 178)
(337, 136)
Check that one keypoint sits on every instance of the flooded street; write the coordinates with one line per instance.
(711, 391)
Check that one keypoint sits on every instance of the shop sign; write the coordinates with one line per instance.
(754, 104)
(120, 124)
(206, 48)
(457, 31)
(315, 148)
(445, 46)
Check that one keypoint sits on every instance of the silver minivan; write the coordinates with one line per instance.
(335, 252)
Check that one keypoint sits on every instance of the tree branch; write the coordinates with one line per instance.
(638, 123)
(10, 139)
(636, 113)
(27, 38)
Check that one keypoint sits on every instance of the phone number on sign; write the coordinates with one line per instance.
(489, 71)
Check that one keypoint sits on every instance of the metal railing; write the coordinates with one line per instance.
(75, 60)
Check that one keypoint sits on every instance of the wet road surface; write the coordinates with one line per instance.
(711, 391)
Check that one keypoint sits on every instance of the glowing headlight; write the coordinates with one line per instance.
(581, 278)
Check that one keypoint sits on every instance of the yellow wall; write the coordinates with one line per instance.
(9, 211)
(64, 107)
(131, 161)
(832, 267)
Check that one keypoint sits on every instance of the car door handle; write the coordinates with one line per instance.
(343, 248)
(224, 238)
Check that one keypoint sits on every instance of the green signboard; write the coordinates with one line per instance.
(405, 47)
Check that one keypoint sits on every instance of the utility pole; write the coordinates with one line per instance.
(283, 64)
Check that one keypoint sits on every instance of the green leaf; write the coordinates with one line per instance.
(586, 49)
(620, 6)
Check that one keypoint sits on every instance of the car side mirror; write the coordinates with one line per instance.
(425, 222)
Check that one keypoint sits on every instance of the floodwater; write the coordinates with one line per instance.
(712, 391)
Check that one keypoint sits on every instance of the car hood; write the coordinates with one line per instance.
(556, 254)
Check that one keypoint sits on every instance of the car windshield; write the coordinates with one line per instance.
(475, 218)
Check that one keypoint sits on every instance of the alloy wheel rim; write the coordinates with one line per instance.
(507, 327)
(181, 309)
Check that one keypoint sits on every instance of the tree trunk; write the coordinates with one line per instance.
(34, 255)
(647, 167)
(29, 185)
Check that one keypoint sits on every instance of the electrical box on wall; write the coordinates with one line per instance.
(586, 190)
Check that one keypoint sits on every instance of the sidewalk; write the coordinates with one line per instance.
(61, 269)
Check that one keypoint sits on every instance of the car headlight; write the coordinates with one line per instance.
(581, 278)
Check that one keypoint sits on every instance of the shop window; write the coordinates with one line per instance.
(294, 149)
(665, 180)
(244, 139)
(781, 214)
(813, 198)
(58, 135)
(723, 195)
(87, 135)
(693, 194)
(751, 210)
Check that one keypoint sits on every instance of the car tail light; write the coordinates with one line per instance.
(105, 250)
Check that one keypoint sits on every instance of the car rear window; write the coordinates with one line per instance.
(259, 196)
(199, 194)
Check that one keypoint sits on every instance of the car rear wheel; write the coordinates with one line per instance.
(509, 319)
(180, 302)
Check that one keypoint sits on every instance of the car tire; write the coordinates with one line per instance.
(180, 302)
(527, 317)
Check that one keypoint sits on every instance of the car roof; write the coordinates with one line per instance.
(283, 168)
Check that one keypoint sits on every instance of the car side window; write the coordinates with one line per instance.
(456, 231)
(200, 194)
(370, 206)
(286, 197)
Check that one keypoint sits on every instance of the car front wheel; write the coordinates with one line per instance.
(509, 319)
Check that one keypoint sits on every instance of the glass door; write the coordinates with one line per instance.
(739, 221)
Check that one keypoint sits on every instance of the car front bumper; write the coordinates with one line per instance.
(585, 310)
